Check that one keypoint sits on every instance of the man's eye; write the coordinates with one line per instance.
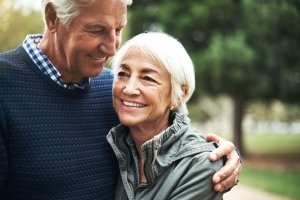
(119, 31)
(98, 32)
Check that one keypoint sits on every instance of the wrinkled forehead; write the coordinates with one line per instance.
(125, 2)
(85, 2)
(141, 50)
(145, 52)
(114, 12)
(104, 3)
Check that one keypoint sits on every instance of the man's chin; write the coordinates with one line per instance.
(96, 72)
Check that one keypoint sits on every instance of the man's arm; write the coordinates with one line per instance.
(3, 154)
(228, 175)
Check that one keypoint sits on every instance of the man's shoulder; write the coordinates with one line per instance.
(11, 52)
(12, 56)
(13, 63)
(106, 76)
(106, 71)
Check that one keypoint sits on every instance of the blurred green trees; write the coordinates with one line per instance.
(16, 23)
(247, 49)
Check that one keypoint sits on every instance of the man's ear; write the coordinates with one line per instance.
(51, 18)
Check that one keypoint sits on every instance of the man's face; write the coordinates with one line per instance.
(94, 35)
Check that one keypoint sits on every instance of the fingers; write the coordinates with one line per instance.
(228, 175)
(230, 181)
(225, 171)
(213, 138)
(225, 149)
(210, 137)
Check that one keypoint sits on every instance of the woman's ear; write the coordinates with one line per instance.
(51, 18)
(184, 90)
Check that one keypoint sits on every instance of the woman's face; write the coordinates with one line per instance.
(142, 92)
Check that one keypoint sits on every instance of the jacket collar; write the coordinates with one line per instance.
(164, 149)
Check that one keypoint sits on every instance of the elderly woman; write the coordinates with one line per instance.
(160, 155)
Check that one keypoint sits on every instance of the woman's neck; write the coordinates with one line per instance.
(140, 135)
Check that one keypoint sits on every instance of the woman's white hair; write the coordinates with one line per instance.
(168, 52)
(67, 10)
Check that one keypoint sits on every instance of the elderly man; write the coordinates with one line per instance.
(56, 108)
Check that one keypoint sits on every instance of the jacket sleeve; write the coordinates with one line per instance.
(196, 182)
(3, 152)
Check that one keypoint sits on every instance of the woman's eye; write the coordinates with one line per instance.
(147, 78)
(122, 74)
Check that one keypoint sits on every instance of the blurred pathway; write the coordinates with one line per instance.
(244, 192)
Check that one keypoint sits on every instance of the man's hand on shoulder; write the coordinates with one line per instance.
(228, 175)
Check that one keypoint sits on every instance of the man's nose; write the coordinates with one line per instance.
(109, 46)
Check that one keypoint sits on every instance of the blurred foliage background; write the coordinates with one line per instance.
(16, 22)
(247, 61)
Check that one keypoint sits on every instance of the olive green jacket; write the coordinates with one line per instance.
(176, 164)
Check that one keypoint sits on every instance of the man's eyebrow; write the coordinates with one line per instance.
(94, 26)
(101, 26)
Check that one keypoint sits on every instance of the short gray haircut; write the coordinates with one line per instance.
(168, 52)
(67, 10)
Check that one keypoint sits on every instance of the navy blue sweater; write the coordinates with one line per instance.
(52, 140)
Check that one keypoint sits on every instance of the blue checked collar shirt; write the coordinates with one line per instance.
(44, 64)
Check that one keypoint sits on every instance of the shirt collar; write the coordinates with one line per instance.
(44, 64)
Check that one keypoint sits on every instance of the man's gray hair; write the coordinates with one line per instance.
(67, 10)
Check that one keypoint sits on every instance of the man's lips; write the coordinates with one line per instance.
(98, 58)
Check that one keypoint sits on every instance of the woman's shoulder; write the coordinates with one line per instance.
(194, 139)
(194, 146)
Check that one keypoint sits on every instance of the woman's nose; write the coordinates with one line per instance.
(132, 87)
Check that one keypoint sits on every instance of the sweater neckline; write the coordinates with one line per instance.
(46, 79)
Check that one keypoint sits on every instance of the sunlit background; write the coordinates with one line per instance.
(247, 61)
